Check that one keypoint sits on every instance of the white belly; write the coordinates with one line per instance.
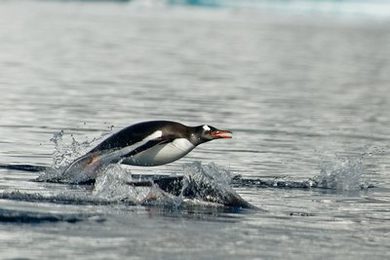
(161, 154)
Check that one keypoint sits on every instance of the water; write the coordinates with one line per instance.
(305, 93)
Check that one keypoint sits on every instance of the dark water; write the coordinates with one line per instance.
(306, 95)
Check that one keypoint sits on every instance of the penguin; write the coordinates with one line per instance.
(150, 143)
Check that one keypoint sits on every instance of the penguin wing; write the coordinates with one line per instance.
(148, 145)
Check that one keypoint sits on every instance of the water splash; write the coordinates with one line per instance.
(344, 174)
(67, 149)
(212, 184)
(65, 152)
(112, 184)
(218, 176)
(201, 185)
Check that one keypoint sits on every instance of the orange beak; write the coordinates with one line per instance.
(225, 134)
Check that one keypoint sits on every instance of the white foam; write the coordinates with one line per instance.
(341, 174)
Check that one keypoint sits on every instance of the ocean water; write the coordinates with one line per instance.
(303, 85)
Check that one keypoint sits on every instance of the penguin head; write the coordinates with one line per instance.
(205, 133)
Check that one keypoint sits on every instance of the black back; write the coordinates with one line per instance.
(136, 133)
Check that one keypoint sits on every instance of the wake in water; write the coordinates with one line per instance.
(198, 184)
(339, 174)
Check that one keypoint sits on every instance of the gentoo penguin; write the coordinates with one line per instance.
(149, 143)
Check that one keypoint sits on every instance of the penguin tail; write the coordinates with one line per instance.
(84, 168)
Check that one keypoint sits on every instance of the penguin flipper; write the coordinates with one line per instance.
(147, 146)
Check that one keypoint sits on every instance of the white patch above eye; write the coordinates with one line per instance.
(206, 128)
